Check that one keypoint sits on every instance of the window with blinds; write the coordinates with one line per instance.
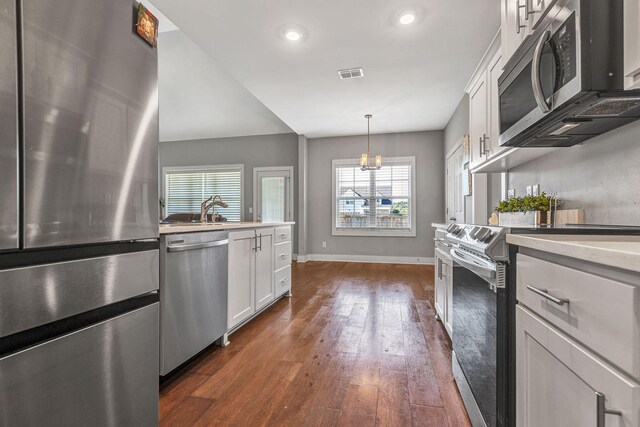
(185, 189)
(376, 202)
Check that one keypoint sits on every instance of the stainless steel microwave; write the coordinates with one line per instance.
(565, 84)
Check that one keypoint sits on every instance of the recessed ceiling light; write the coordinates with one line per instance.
(407, 18)
(293, 35)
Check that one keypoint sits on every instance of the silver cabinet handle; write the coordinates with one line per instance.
(182, 248)
(528, 9)
(284, 256)
(283, 234)
(480, 147)
(260, 242)
(484, 143)
(538, 94)
(601, 410)
(518, 23)
(544, 294)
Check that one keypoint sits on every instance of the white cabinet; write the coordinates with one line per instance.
(256, 278)
(264, 281)
(241, 302)
(478, 120)
(443, 295)
(632, 44)
(494, 70)
(560, 383)
(484, 113)
(514, 28)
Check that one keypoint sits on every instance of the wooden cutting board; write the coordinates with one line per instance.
(569, 216)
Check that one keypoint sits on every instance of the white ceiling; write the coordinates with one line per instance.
(414, 75)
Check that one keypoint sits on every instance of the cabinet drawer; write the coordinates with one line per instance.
(558, 381)
(283, 281)
(282, 254)
(599, 312)
(283, 234)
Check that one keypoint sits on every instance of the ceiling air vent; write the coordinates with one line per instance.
(351, 73)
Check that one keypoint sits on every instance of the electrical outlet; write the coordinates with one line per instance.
(250, 209)
(536, 190)
(324, 244)
(511, 193)
(529, 190)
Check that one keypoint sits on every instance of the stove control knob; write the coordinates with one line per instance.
(451, 227)
(484, 235)
(474, 231)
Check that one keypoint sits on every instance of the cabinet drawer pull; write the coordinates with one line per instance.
(283, 234)
(544, 294)
(284, 256)
(601, 410)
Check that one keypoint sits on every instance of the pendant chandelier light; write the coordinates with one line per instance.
(366, 157)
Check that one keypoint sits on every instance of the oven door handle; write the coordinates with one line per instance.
(538, 93)
(473, 264)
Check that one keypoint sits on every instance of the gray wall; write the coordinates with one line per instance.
(601, 176)
(252, 151)
(458, 125)
(427, 147)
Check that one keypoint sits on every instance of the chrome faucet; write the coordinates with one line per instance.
(205, 206)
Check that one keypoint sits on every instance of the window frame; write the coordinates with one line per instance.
(374, 232)
(205, 169)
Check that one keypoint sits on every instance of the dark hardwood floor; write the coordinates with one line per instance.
(356, 345)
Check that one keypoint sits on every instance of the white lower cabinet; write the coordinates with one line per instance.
(241, 302)
(265, 291)
(256, 277)
(561, 383)
(443, 295)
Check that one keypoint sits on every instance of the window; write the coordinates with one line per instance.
(374, 203)
(186, 188)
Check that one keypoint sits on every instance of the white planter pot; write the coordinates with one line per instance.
(521, 219)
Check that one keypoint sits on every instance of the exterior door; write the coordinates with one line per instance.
(273, 194)
(8, 127)
(455, 196)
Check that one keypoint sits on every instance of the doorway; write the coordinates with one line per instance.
(455, 195)
(273, 194)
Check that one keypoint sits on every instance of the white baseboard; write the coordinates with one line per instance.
(365, 259)
(300, 258)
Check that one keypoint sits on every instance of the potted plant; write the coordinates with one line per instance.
(528, 211)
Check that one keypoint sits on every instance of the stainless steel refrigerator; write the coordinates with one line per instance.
(78, 215)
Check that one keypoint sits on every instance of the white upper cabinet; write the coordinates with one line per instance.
(632, 44)
(493, 74)
(478, 123)
(514, 26)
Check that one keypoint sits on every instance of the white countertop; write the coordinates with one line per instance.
(614, 251)
(229, 226)
(438, 225)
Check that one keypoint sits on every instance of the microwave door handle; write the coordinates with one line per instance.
(538, 94)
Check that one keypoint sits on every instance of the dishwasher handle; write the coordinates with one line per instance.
(195, 246)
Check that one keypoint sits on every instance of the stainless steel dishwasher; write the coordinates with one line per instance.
(193, 294)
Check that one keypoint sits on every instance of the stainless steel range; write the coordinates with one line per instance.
(479, 330)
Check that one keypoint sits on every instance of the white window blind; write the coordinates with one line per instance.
(377, 202)
(185, 189)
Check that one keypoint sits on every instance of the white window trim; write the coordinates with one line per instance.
(205, 168)
(290, 211)
(374, 232)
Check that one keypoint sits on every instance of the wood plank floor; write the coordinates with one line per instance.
(356, 345)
